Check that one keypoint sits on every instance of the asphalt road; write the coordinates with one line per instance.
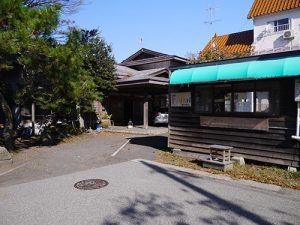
(142, 192)
(39, 189)
(90, 151)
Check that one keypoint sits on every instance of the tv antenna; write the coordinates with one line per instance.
(211, 21)
(211, 16)
(141, 41)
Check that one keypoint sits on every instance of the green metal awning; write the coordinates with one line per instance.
(259, 69)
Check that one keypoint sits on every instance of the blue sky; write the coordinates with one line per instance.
(169, 26)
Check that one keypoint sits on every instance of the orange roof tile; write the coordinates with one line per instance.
(262, 7)
(231, 43)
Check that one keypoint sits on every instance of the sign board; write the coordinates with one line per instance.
(181, 99)
(297, 90)
(235, 122)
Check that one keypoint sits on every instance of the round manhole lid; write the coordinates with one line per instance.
(91, 184)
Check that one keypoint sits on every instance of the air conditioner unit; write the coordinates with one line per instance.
(288, 34)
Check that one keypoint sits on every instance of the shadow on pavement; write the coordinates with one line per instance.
(207, 208)
(214, 201)
(144, 208)
(157, 142)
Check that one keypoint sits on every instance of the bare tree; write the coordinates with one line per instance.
(68, 6)
(192, 57)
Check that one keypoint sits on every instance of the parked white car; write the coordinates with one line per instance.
(161, 117)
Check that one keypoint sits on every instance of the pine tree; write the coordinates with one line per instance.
(58, 77)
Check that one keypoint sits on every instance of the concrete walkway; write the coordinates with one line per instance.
(142, 192)
(137, 130)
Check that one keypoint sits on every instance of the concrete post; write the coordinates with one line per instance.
(33, 117)
(146, 112)
(80, 119)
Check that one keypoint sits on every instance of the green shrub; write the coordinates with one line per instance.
(55, 134)
(106, 116)
(105, 123)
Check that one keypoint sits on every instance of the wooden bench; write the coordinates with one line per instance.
(219, 150)
(224, 164)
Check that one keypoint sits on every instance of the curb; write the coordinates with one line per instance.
(4, 154)
(134, 132)
(253, 184)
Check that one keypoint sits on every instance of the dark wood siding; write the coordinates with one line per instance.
(153, 65)
(272, 146)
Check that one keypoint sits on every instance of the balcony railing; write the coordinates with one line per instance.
(281, 27)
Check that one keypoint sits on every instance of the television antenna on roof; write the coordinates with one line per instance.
(211, 14)
(141, 41)
(211, 21)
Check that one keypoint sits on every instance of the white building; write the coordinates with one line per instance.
(276, 25)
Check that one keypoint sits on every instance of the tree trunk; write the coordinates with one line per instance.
(8, 124)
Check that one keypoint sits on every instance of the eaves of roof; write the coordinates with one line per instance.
(263, 7)
(154, 59)
(125, 71)
(144, 74)
(144, 50)
(161, 81)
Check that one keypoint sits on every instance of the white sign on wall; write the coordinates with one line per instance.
(181, 99)
(297, 136)
(297, 99)
(297, 90)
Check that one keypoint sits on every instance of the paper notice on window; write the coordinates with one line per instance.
(181, 99)
(297, 90)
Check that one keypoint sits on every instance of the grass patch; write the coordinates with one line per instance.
(263, 174)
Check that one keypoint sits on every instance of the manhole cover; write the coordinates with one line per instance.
(91, 184)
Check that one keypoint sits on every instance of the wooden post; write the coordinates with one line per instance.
(146, 108)
(33, 117)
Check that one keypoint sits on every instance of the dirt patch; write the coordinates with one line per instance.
(22, 144)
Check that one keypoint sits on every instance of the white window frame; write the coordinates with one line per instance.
(279, 28)
(297, 99)
(297, 136)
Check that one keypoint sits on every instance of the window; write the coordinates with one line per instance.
(262, 101)
(164, 101)
(243, 102)
(251, 97)
(203, 99)
(222, 98)
(160, 101)
(280, 25)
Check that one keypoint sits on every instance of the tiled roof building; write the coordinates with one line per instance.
(231, 43)
(263, 7)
